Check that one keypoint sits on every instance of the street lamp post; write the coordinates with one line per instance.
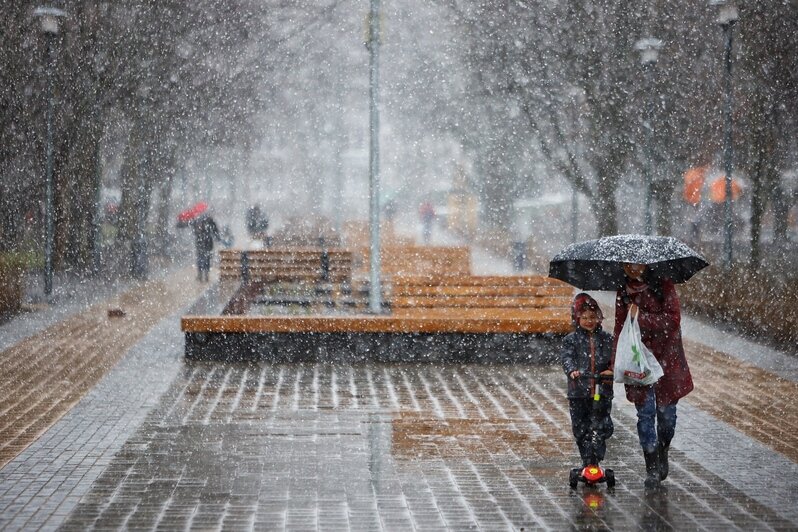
(727, 17)
(649, 51)
(375, 291)
(49, 18)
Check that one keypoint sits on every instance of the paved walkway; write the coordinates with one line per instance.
(156, 442)
(376, 446)
(46, 374)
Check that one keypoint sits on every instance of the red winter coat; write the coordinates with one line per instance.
(660, 328)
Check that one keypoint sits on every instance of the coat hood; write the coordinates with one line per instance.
(583, 302)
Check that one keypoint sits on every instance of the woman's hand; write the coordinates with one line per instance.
(633, 310)
(607, 372)
(575, 374)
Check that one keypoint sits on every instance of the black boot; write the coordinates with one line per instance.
(662, 452)
(584, 453)
(652, 469)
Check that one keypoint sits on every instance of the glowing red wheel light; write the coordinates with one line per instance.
(592, 473)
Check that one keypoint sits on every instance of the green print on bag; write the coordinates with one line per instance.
(636, 356)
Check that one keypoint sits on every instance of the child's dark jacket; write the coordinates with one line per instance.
(589, 353)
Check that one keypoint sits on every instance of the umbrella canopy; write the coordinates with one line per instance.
(192, 212)
(598, 264)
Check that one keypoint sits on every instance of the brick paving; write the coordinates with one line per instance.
(756, 402)
(46, 374)
(158, 443)
(69, 456)
(387, 446)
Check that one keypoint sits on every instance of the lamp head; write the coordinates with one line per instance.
(727, 11)
(48, 16)
(649, 50)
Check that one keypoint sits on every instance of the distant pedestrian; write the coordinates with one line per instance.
(654, 303)
(427, 213)
(205, 232)
(586, 358)
(257, 222)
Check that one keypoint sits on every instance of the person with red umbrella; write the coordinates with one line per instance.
(192, 213)
(206, 232)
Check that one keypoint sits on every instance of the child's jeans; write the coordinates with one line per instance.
(655, 424)
(592, 425)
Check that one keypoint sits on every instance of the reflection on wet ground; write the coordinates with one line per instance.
(391, 447)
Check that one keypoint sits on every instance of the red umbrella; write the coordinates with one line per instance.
(192, 212)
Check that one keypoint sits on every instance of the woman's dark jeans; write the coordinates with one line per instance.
(655, 424)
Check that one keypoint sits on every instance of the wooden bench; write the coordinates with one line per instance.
(287, 264)
(497, 312)
(305, 275)
(501, 297)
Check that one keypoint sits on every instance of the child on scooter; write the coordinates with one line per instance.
(586, 357)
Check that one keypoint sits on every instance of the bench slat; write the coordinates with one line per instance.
(291, 276)
(284, 269)
(450, 291)
(371, 324)
(285, 251)
(492, 313)
(404, 260)
(477, 280)
(479, 301)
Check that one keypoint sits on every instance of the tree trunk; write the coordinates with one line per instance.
(758, 201)
(134, 204)
(605, 207)
(758, 196)
(781, 204)
(662, 194)
(161, 238)
(81, 194)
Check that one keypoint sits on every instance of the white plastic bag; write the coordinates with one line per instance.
(634, 362)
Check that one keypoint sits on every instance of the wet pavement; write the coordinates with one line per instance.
(44, 374)
(395, 447)
(160, 443)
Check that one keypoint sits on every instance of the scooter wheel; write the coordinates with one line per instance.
(573, 478)
(609, 477)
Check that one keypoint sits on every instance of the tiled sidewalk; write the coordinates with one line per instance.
(392, 447)
(157, 442)
(46, 374)
(369, 446)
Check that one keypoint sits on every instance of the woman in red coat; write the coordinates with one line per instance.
(655, 304)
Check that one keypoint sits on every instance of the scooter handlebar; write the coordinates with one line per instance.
(597, 376)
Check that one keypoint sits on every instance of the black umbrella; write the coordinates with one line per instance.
(598, 264)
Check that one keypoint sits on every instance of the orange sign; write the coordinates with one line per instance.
(693, 183)
(717, 190)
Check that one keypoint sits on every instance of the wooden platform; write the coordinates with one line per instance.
(507, 311)
(540, 322)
